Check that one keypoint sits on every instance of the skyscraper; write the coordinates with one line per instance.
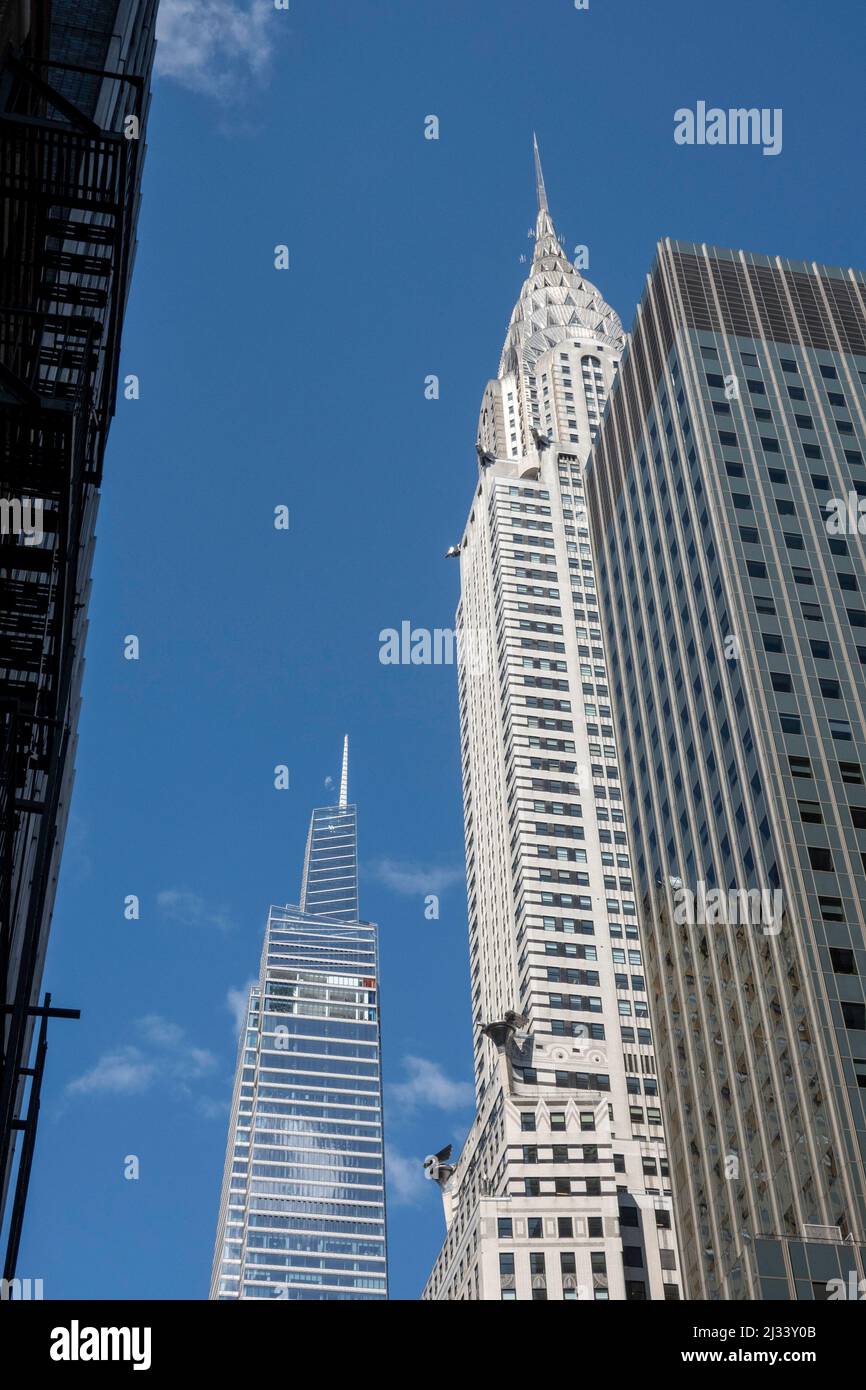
(74, 98)
(562, 1189)
(725, 497)
(302, 1213)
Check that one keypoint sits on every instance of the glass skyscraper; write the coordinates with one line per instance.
(302, 1214)
(725, 494)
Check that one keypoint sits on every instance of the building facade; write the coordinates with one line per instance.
(302, 1211)
(726, 498)
(562, 1188)
(74, 98)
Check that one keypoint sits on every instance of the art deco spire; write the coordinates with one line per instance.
(539, 176)
(556, 302)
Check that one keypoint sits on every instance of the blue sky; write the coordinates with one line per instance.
(306, 388)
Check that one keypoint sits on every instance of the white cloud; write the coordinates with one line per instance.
(212, 46)
(427, 1085)
(159, 1031)
(212, 1109)
(196, 1062)
(164, 1057)
(191, 910)
(125, 1072)
(415, 880)
(237, 1001)
(407, 1185)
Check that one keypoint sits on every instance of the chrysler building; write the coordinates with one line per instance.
(562, 1189)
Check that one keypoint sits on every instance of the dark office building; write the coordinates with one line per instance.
(74, 95)
(724, 497)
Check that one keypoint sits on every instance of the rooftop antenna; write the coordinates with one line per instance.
(344, 776)
(541, 191)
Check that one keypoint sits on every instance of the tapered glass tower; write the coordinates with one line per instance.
(562, 1188)
(302, 1214)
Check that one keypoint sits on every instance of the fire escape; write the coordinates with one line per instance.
(68, 191)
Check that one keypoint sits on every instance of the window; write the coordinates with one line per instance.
(535, 1228)
(527, 1120)
(781, 682)
(503, 1228)
(842, 960)
(831, 909)
(830, 689)
(810, 812)
(564, 1226)
(854, 1015)
(820, 858)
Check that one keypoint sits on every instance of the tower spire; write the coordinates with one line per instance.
(344, 776)
(541, 191)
